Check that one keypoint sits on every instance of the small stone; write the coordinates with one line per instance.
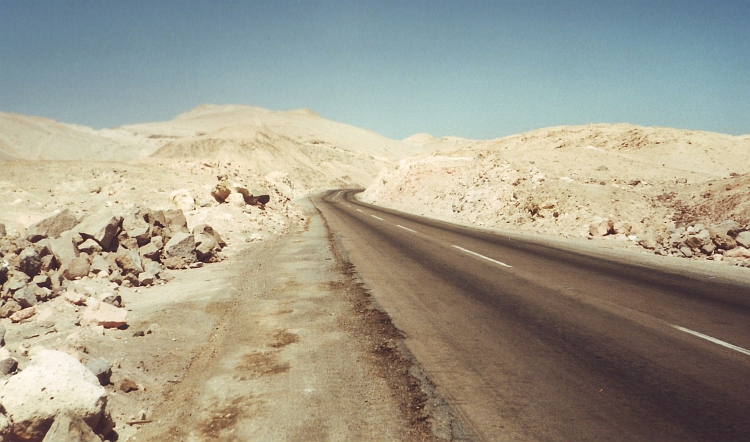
(112, 299)
(77, 268)
(221, 192)
(29, 262)
(145, 279)
(8, 366)
(102, 369)
(601, 227)
(42, 281)
(139, 334)
(686, 252)
(99, 265)
(26, 297)
(74, 298)
(2, 336)
(90, 246)
(725, 242)
(23, 315)
(708, 248)
(127, 385)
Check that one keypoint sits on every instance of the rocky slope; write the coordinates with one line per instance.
(618, 181)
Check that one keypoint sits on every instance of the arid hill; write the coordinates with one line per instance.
(562, 180)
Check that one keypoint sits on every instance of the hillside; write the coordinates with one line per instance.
(561, 180)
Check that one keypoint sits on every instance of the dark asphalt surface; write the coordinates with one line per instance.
(534, 342)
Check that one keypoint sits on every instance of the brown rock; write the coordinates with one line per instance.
(221, 192)
(78, 268)
(129, 261)
(181, 245)
(725, 242)
(23, 315)
(174, 263)
(128, 385)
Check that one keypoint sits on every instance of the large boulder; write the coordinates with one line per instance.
(101, 227)
(129, 261)
(70, 428)
(52, 227)
(724, 228)
(601, 227)
(206, 248)
(649, 240)
(205, 229)
(743, 239)
(26, 297)
(176, 220)
(105, 314)
(135, 227)
(64, 249)
(181, 245)
(176, 223)
(725, 242)
(53, 384)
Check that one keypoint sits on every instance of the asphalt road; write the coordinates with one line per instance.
(535, 342)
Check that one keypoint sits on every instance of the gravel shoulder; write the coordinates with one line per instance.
(281, 343)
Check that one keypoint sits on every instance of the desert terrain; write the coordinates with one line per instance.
(649, 187)
(182, 264)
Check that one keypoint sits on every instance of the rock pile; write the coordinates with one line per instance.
(725, 241)
(238, 194)
(130, 250)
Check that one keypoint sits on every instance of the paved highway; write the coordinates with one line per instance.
(535, 342)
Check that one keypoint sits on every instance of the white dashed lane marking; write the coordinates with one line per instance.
(359, 211)
(482, 256)
(406, 228)
(377, 217)
(714, 340)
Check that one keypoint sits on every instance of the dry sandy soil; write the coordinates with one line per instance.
(278, 340)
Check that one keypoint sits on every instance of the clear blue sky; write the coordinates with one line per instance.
(476, 69)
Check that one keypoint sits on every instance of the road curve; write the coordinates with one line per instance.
(532, 342)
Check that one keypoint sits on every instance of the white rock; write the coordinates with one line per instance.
(53, 383)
